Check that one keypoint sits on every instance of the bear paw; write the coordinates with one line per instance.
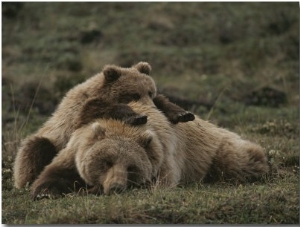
(183, 117)
(46, 195)
(137, 120)
(49, 189)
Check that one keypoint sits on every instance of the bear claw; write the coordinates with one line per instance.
(45, 195)
(42, 196)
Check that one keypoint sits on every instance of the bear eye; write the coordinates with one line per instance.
(107, 164)
(150, 93)
(136, 96)
(131, 169)
(148, 142)
(126, 98)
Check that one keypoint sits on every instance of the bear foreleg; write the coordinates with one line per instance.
(98, 108)
(58, 178)
(34, 154)
(173, 112)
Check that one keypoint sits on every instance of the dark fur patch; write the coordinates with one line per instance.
(40, 152)
(98, 108)
(127, 98)
(55, 182)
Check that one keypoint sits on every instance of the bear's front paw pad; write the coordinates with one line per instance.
(137, 120)
(185, 117)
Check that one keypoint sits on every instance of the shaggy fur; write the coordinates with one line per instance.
(103, 96)
(106, 152)
(28, 168)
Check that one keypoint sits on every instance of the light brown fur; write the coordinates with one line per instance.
(188, 152)
(66, 119)
(177, 154)
(103, 96)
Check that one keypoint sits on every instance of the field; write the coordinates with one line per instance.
(234, 64)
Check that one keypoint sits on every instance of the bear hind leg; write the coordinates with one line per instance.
(244, 163)
(257, 164)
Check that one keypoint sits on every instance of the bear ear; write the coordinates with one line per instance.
(143, 67)
(146, 139)
(111, 73)
(99, 132)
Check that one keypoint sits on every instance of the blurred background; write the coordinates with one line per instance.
(223, 57)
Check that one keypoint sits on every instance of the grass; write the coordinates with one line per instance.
(223, 203)
(218, 52)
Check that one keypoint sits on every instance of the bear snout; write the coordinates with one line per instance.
(116, 180)
(121, 177)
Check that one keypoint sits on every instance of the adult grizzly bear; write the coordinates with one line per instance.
(110, 155)
(105, 95)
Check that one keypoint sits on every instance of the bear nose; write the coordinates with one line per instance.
(116, 188)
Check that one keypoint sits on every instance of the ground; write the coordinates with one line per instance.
(235, 64)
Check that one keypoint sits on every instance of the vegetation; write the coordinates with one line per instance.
(240, 58)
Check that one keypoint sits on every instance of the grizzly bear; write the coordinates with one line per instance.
(104, 95)
(110, 156)
(130, 163)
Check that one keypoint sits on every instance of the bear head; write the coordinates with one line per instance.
(123, 85)
(116, 156)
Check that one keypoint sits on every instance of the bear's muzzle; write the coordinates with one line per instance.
(116, 180)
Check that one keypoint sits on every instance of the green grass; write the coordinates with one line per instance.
(218, 52)
(259, 203)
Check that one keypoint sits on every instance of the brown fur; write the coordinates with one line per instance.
(103, 96)
(109, 87)
(130, 162)
(173, 112)
(177, 154)
(32, 151)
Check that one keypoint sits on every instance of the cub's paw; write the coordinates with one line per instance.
(136, 120)
(181, 117)
(185, 117)
(49, 189)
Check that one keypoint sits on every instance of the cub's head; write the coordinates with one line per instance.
(119, 157)
(129, 84)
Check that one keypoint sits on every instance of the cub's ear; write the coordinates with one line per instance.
(143, 67)
(146, 139)
(111, 73)
(99, 132)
